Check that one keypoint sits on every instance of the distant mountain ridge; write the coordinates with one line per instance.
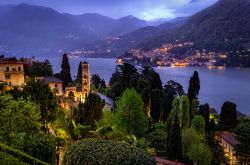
(222, 26)
(40, 28)
(130, 40)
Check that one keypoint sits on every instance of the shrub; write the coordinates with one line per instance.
(157, 139)
(9, 160)
(101, 152)
(18, 155)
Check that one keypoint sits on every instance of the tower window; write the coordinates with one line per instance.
(7, 76)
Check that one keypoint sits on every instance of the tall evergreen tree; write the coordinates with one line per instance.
(96, 80)
(153, 77)
(130, 109)
(194, 86)
(92, 109)
(228, 115)
(193, 89)
(204, 111)
(155, 105)
(125, 71)
(170, 91)
(174, 144)
(65, 72)
(103, 84)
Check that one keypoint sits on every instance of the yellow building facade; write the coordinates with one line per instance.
(12, 73)
(80, 96)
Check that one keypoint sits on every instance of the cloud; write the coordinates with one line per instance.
(156, 13)
(145, 9)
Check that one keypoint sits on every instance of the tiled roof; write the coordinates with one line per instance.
(108, 100)
(161, 161)
(50, 79)
(228, 136)
(10, 62)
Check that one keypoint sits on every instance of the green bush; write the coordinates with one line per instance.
(18, 155)
(158, 140)
(9, 160)
(102, 152)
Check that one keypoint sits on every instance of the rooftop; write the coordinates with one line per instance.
(161, 161)
(50, 79)
(10, 61)
(228, 136)
(108, 100)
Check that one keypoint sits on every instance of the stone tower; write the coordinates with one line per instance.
(85, 79)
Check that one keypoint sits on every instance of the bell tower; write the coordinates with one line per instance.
(85, 79)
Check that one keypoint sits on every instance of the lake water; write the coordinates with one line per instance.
(217, 85)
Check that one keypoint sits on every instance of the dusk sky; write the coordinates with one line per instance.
(144, 9)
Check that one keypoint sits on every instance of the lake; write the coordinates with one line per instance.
(217, 84)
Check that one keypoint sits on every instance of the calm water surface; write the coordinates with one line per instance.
(217, 85)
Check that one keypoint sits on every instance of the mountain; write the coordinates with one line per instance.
(127, 24)
(222, 26)
(35, 28)
(130, 40)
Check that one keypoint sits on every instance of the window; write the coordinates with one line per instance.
(7, 69)
(56, 85)
(19, 68)
(7, 76)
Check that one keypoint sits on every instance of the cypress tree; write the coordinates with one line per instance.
(174, 145)
(155, 105)
(204, 111)
(65, 72)
(228, 115)
(194, 86)
(193, 89)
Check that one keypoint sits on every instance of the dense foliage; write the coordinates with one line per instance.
(39, 69)
(12, 156)
(99, 152)
(20, 128)
(40, 93)
(92, 109)
(242, 132)
(228, 115)
(130, 108)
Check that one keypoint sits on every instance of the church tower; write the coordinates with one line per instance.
(85, 79)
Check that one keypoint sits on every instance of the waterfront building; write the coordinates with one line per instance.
(12, 72)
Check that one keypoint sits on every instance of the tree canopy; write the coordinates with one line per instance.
(130, 108)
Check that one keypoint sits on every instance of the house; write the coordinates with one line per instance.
(54, 83)
(12, 72)
(227, 141)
